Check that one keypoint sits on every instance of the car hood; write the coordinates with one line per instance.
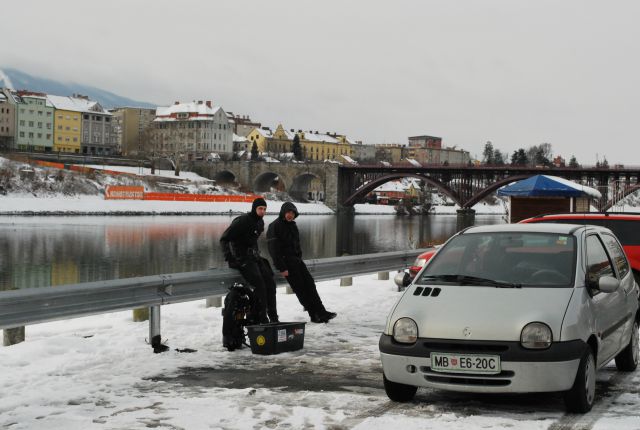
(482, 313)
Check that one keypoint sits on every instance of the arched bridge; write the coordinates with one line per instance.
(343, 186)
(468, 185)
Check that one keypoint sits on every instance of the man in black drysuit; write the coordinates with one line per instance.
(283, 239)
(240, 247)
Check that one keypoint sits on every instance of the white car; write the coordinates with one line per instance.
(515, 308)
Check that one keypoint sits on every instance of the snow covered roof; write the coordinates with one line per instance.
(202, 109)
(264, 133)
(392, 186)
(75, 104)
(320, 137)
(237, 138)
(349, 159)
(546, 185)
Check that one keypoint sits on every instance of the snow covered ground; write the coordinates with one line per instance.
(145, 171)
(97, 373)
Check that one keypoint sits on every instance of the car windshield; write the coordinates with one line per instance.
(504, 260)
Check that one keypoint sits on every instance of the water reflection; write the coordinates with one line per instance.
(43, 251)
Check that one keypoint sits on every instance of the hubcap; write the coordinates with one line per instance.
(590, 379)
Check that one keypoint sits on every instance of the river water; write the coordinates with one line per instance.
(44, 251)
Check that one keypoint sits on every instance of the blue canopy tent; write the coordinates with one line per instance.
(547, 186)
(546, 194)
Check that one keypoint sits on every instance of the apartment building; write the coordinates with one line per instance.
(193, 129)
(131, 127)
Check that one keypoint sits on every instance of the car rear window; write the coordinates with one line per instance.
(627, 231)
(525, 259)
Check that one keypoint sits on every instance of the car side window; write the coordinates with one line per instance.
(618, 256)
(598, 264)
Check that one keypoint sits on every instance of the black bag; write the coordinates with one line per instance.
(236, 314)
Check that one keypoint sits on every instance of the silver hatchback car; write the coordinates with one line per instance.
(515, 308)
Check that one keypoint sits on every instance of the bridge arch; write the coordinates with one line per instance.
(626, 192)
(300, 186)
(264, 182)
(225, 177)
(375, 183)
(485, 192)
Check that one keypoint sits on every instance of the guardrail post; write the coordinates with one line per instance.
(383, 276)
(154, 330)
(213, 302)
(12, 336)
(346, 282)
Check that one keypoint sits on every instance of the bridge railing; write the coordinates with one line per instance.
(37, 305)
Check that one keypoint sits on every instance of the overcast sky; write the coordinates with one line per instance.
(517, 73)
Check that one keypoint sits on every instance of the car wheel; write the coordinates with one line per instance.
(580, 397)
(399, 392)
(627, 360)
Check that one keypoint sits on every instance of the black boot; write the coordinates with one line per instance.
(328, 315)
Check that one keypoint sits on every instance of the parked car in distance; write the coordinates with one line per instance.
(626, 227)
(515, 308)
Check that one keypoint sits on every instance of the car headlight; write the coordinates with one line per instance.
(405, 330)
(536, 335)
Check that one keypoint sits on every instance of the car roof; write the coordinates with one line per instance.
(629, 216)
(526, 228)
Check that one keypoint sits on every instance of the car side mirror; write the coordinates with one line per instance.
(608, 284)
(402, 280)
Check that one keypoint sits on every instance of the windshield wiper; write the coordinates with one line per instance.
(471, 280)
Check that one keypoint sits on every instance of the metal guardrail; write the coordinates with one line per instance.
(37, 305)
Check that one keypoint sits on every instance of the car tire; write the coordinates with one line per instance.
(399, 392)
(627, 359)
(580, 397)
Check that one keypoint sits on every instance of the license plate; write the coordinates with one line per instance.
(465, 363)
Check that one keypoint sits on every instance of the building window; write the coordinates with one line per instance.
(30, 123)
(59, 127)
(39, 113)
(39, 125)
(86, 116)
(39, 135)
(48, 137)
(48, 126)
(59, 138)
(22, 134)
(31, 134)
(48, 113)
(22, 122)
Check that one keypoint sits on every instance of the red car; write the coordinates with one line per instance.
(626, 227)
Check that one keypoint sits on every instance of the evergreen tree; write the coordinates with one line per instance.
(488, 153)
(498, 158)
(296, 148)
(254, 151)
(519, 158)
(605, 163)
(573, 162)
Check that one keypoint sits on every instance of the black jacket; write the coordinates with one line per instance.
(240, 239)
(283, 238)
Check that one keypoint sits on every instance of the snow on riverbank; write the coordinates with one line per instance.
(96, 205)
(98, 373)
